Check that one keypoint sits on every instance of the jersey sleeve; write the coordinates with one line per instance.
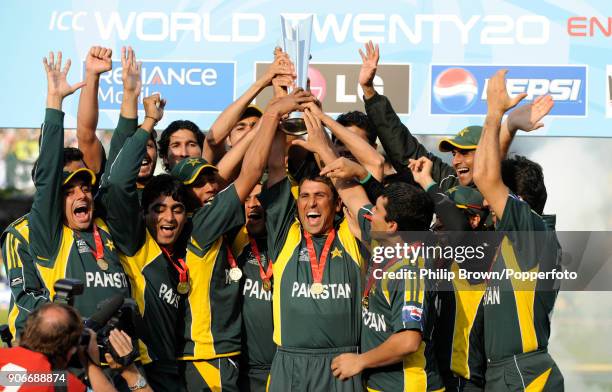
(532, 243)
(217, 218)
(27, 291)
(400, 145)
(120, 197)
(280, 208)
(406, 297)
(45, 219)
(364, 218)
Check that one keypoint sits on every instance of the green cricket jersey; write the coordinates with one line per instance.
(153, 277)
(399, 299)
(258, 348)
(212, 322)
(58, 251)
(459, 332)
(517, 312)
(302, 319)
(27, 290)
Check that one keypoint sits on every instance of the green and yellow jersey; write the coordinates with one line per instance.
(58, 251)
(27, 290)
(459, 332)
(399, 299)
(303, 319)
(212, 322)
(153, 277)
(258, 348)
(517, 312)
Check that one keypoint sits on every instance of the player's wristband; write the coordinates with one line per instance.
(430, 185)
(155, 121)
(365, 180)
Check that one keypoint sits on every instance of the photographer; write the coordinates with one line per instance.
(51, 337)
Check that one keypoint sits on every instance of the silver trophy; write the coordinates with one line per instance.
(296, 43)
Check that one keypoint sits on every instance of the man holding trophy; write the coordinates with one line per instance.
(317, 262)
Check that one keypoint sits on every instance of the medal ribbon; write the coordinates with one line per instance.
(263, 275)
(181, 266)
(318, 268)
(99, 252)
(230, 258)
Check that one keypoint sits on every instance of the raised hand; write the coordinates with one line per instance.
(290, 103)
(345, 169)
(527, 117)
(318, 140)
(368, 67)
(281, 65)
(99, 60)
(421, 171)
(498, 100)
(131, 71)
(154, 107)
(57, 86)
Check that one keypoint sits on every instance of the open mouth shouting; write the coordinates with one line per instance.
(314, 218)
(463, 174)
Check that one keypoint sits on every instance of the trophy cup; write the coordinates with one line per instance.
(296, 43)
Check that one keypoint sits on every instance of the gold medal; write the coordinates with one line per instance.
(235, 274)
(267, 285)
(182, 287)
(365, 302)
(316, 288)
(102, 264)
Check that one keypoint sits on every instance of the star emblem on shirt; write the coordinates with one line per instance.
(109, 245)
(193, 162)
(336, 252)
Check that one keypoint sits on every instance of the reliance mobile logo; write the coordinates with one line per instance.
(462, 89)
(187, 86)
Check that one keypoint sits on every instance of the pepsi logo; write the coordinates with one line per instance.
(455, 90)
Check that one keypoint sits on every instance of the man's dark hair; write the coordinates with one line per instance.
(164, 140)
(408, 206)
(51, 335)
(166, 185)
(322, 179)
(71, 154)
(525, 178)
(358, 119)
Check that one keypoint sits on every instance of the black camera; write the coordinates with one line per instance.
(114, 312)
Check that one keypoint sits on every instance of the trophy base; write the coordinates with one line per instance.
(293, 126)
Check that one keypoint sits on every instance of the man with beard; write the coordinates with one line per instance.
(516, 311)
(66, 239)
(251, 250)
(400, 145)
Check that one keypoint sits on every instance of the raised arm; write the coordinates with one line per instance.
(214, 144)
(361, 150)
(256, 157)
(352, 194)
(527, 118)
(487, 160)
(98, 61)
(123, 208)
(399, 144)
(128, 113)
(229, 165)
(46, 214)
